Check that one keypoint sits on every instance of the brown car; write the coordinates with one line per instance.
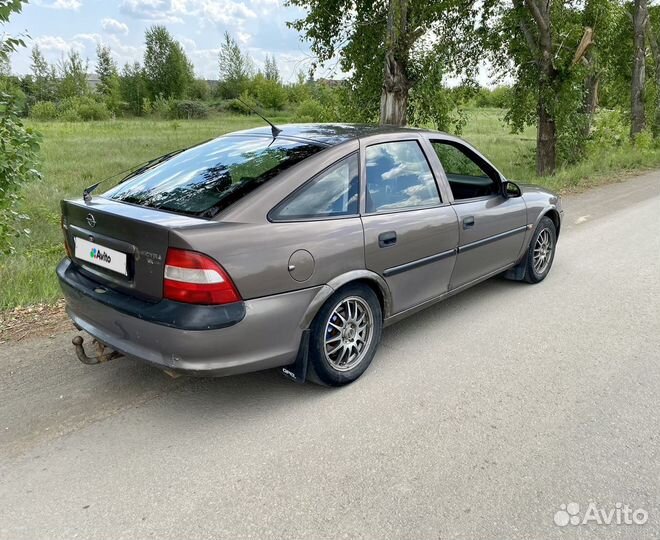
(293, 248)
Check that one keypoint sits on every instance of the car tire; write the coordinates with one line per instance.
(541, 252)
(345, 335)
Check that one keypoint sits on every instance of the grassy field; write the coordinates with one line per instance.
(77, 155)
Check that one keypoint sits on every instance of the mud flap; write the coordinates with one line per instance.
(297, 371)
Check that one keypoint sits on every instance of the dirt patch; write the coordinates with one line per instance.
(33, 321)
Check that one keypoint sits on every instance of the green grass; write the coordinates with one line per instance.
(76, 155)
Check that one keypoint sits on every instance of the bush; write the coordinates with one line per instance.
(236, 106)
(187, 110)
(199, 90)
(84, 109)
(311, 111)
(43, 110)
(271, 94)
(161, 107)
(18, 162)
(609, 129)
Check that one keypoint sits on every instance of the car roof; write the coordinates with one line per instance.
(328, 134)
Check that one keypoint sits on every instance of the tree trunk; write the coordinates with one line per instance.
(546, 132)
(540, 45)
(396, 86)
(655, 49)
(546, 143)
(590, 104)
(640, 18)
(394, 97)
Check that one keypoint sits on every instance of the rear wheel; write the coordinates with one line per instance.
(541, 251)
(345, 335)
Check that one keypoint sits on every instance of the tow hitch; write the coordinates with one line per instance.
(103, 353)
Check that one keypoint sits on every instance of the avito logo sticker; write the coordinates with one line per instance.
(100, 255)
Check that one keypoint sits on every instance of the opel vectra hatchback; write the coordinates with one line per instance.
(293, 248)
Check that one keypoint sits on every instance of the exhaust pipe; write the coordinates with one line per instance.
(104, 354)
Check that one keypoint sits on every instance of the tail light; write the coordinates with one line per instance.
(195, 278)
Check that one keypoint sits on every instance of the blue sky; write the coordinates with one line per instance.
(258, 25)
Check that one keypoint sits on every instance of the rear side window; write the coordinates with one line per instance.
(210, 177)
(399, 177)
(332, 193)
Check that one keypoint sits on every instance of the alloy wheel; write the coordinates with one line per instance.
(348, 333)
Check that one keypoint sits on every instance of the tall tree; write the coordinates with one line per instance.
(43, 76)
(271, 71)
(653, 34)
(72, 70)
(167, 70)
(541, 44)
(133, 88)
(235, 67)
(106, 68)
(389, 46)
(637, 110)
(109, 85)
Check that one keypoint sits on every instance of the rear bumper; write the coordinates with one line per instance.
(247, 336)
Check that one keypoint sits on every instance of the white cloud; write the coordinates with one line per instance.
(113, 26)
(226, 12)
(58, 44)
(243, 37)
(150, 10)
(60, 4)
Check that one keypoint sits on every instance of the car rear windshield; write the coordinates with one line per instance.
(210, 177)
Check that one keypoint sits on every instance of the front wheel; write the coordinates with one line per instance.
(345, 335)
(541, 251)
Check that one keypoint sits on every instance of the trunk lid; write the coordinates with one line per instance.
(119, 245)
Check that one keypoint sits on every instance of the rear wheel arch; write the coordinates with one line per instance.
(365, 277)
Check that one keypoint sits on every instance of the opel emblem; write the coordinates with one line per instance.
(91, 221)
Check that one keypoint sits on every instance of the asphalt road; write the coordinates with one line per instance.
(477, 419)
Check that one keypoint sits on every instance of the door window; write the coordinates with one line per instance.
(399, 178)
(332, 193)
(468, 178)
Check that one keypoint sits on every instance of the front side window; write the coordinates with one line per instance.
(399, 177)
(333, 193)
(210, 177)
(467, 178)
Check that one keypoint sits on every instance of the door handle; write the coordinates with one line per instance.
(387, 239)
(468, 222)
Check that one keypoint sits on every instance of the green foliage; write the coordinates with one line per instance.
(271, 71)
(161, 107)
(198, 90)
(43, 110)
(235, 68)
(18, 159)
(133, 89)
(269, 92)
(499, 97)
(235, 105)
(12, 86)
(432, 34)
(72, 71)
(167, 70)
(73, 109)
(310, 110)
(188, 110)
(109, 86)
(44, 77)
(18, 146)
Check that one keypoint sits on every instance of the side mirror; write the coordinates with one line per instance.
(510, 189)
